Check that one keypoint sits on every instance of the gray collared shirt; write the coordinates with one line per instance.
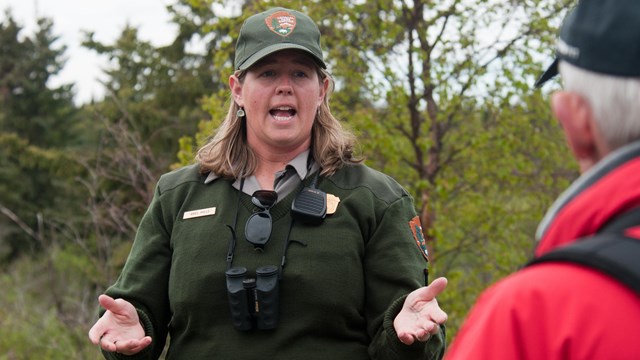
(286, 180)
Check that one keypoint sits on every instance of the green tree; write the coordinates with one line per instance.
(110, 156)
(154, 90)
(40, 135)
(37, 128)
(154, 96)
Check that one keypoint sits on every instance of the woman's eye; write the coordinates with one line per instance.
(267, 73)
(300, 74)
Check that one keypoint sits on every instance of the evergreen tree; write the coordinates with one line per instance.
(36, 128)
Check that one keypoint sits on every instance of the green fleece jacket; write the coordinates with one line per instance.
(343, 283)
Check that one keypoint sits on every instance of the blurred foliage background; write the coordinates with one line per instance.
(439, 92)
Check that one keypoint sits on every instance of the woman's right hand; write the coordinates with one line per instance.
(119, 329)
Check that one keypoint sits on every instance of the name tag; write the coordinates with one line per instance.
(199, 213)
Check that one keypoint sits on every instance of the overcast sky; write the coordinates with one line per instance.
(107, 18)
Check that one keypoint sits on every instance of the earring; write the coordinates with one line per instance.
(240, 113)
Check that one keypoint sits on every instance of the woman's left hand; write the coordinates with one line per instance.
(421, 315)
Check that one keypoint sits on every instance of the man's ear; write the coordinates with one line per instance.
(236, 89)
(575, 115)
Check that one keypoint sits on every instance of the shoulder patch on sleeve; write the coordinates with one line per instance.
(418, 237)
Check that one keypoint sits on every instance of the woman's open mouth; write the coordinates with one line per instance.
(283, 113)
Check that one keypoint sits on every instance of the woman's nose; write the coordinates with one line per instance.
(284, 87)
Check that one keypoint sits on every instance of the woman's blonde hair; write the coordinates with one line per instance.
(228, 155)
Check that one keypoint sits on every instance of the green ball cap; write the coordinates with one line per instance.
(274, 30)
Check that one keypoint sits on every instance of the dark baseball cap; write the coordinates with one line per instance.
(602, 36)
(274, 30)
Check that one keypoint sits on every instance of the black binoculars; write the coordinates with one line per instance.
(253, 301)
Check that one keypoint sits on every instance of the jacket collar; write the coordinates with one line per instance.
(609, 188)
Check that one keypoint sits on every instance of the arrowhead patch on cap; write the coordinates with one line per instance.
(281, 22)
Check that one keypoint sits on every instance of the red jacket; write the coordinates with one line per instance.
(559, 310)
